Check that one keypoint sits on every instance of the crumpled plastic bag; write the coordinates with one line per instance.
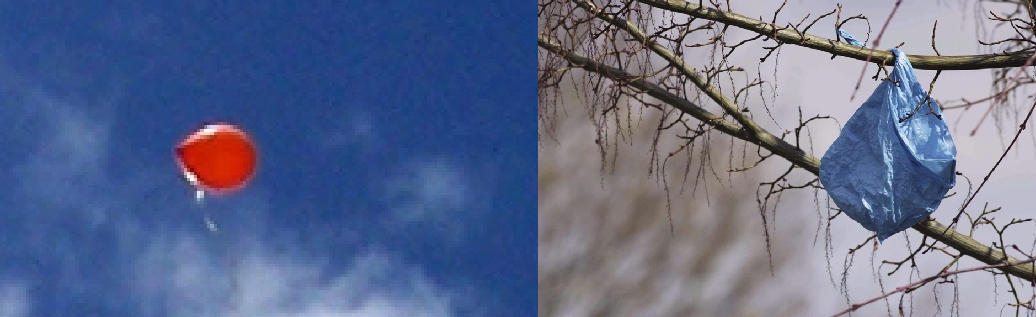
(885, 174)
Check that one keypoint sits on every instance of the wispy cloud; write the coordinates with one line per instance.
(430, 190)
(433, 193)
(357, 132)
(68, 153)
(178, 277)
(12, 301)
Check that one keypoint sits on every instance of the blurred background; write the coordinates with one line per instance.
(606, 248)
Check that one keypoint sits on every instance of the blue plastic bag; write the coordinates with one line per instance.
(885, 174)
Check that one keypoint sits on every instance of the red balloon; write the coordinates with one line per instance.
(219, 158)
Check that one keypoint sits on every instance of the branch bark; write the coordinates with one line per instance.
(963, 243)
(793, 37)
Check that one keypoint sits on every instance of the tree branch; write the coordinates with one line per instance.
(975, 249)
(910, 287)
(881, 57)
(752, 130)
(931, 228)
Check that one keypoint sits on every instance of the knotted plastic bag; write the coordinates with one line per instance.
(885, 174)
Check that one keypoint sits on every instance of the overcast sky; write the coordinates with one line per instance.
(395, 174)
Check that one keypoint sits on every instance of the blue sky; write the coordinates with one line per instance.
(396, 171)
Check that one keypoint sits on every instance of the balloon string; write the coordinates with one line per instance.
(231, 260)
(199, 197)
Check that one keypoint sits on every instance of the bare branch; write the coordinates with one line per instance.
(753, 132)
(1013, 59)
(943, 274)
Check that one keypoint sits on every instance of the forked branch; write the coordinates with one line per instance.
(881, 57)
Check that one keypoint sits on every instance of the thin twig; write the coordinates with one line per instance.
(911, 286)
(935, 25)
(985, 179)
(877, 41)
(1002, 93)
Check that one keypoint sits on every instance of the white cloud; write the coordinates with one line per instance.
(357, 133)
(69, 152)
(430, 190)
(433, 192)
(12, 301)
(182, 278)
